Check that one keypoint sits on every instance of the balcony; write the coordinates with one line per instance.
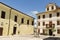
(50, 25)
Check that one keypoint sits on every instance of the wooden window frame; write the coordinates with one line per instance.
(38, 17)
(43, 23)
(15, 18)
(22, 20)
(43, 16)
(3, 14)
(38, 23)
(58, 14)
(47, 9)
(58, 22)
(50, 15)
(58, 31)
(28, 22)
(32, 22)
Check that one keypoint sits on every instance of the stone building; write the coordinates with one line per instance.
(14, 22)
(49, 21)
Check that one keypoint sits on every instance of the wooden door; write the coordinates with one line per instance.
(50, 32)
(14, 30)
(1, 31)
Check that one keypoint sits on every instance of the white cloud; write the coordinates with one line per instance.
(34, 12)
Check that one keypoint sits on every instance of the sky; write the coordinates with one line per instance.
(30, 7)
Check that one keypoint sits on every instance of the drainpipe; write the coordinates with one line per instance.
(9, 21)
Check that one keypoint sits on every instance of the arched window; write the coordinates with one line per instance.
(52, 7)
(47, 9)
(38, 17)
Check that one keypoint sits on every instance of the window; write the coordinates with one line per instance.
(32, 22)
(28, 22)
(50, 15)
(22, 20)
(43, 23)
(50, 24)
(47, 9)
(38, 17)
(43, 16)
(58, 14)
(52, 7)
(15, 19)
(3, 15)
(47, 25)
(58, 22)
(58, 31)
(38, 23)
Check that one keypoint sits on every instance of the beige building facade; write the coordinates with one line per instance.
(49, 21)
(14, 22)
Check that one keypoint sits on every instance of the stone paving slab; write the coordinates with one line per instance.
(25, 37)
(19, 38)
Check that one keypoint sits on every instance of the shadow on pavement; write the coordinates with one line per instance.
(52, 38)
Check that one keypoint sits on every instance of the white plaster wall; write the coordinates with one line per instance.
(54, 19)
